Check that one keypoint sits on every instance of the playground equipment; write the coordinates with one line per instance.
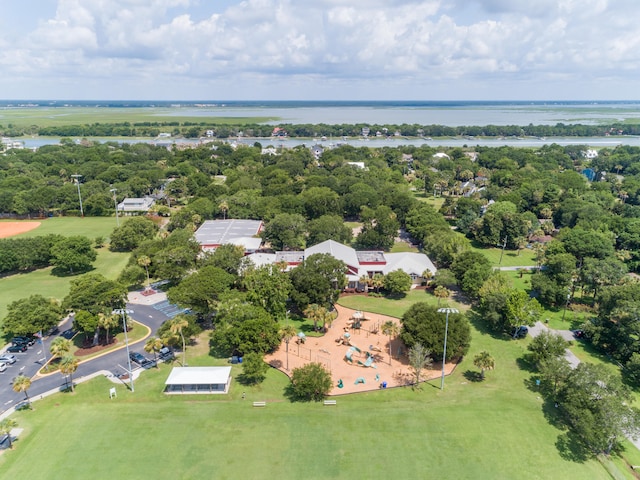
(368, 362)
(340, 384)
(349, 355)
(359, 380)
(375, 348)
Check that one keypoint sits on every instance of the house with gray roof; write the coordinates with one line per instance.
(245, 233)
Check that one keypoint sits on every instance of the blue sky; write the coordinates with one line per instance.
(320, 49)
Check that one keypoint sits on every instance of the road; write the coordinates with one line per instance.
(115, 362)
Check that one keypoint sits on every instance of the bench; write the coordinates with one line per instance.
(330, 402)
(259, 404)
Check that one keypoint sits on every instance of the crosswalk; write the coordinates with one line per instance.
(169, 309)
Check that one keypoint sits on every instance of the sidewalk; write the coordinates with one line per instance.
(138, 298)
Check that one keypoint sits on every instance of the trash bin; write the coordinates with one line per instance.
(384, 384)
(239, 359)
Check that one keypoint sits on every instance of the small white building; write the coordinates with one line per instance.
(135, 205)
(198, 380)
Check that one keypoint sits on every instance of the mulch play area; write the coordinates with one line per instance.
(9, 229)
(358, 358)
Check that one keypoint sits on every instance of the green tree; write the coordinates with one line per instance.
(60, 346)
(269, 287)
(176, 327)
(311, 382)
(153, 345)
(320, 279)
(285, 231)
(6, 425)
(107, 322)
(521, 309)
(397, 282)
(22, 384)
(287, 332)
(243, 328)
(31, 315)
(228, 257)
(554, 372)
(202, 290)
(441, 292)
(132, 233)
(144, 261)
(391, 329)
(419, 359)
(73, 254)
(379, 229)
(254, 368)
(68, 366)
(328, 227)
(484, 361)
(597, 407)
(422, 323)
(317, 314)
(546, 345)
(94, 293)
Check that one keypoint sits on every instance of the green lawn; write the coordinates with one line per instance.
(90, 227)
(15, 287)
(396, 306)
(495, 430)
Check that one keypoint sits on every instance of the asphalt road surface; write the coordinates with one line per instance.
(34, 358)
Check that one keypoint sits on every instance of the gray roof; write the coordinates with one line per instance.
(136, 204)
(220, 232)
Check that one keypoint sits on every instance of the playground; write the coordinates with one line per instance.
(10, 229)
(356, 352)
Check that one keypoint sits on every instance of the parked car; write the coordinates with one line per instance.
(17, 348)
(68, 334)
(520, 332)
(3, 367)
(6, 358)
(165, 353)
(138, 358)
(25, 340)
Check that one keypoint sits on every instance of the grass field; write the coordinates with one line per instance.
(494, 429)
(46, 117)
(109, 264)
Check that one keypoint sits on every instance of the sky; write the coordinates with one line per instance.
(319, 49)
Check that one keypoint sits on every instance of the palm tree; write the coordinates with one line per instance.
(107, 322)
(22, 384)
(377, 282)
(6, 426)
(224, 208)
(441, 292)
(315, 313)
(288, 332)
(60, 346)
(153, 344)
(176, 327)
(144, 261)
(68, 365)
(427, 275)
(484, 361)
(391, 329)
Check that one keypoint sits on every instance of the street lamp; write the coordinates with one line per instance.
(115, 203)
(77, 178)
(446, 310)
(124, 312)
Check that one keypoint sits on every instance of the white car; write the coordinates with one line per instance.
(3, 366)
(8, 358)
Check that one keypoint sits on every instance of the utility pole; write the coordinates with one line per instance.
(504, 245)
(77, 179)
(115, 202)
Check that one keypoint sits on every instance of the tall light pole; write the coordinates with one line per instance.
(124, 312)
(115, 203)
(77, 178)
(446, 310)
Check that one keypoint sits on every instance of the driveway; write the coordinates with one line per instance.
(540, 327)
(114, 362)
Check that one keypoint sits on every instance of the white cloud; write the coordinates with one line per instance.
(293, 47)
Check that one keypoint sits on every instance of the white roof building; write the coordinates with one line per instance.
(131, 205)
(198, 380)
(213, 233)
(359, 263)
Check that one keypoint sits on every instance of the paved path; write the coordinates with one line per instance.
(110, 364)
(574, 361)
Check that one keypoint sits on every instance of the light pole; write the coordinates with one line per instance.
(77, 178)
(115, 203)
(124, 312)
(446, 310)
